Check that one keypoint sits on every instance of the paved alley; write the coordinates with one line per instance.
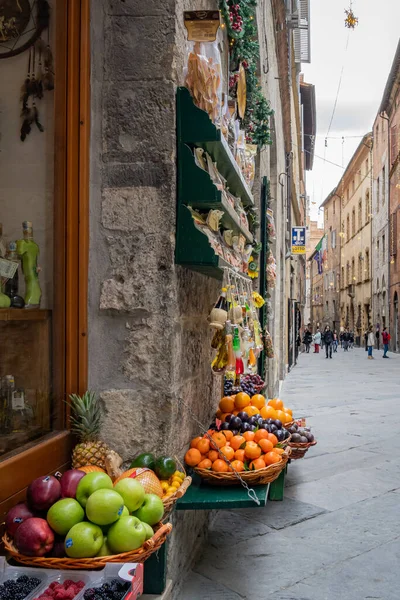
(336, 535)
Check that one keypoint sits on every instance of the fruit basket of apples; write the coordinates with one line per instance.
(83, 521)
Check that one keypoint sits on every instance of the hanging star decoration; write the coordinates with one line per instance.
(351, 21)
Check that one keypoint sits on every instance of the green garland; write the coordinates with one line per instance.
(245, 49)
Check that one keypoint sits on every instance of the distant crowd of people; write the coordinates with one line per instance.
(330, 340)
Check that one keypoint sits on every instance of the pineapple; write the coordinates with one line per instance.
(85, 424)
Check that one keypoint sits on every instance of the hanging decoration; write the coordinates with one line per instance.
(21, 24)
(239, 17)
(351, 21)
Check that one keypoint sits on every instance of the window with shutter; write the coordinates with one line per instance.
(301, 34)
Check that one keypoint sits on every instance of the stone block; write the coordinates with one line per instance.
(147, 174)
(140, 209)
(139, 48)
(142, 8)
(131, 134)
(136, 421)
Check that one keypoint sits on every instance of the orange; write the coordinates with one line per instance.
(276, 403)
(280, 415)
(239, 455)
(261, 434)
(256, 464)
(203, 446)
(242, 400)
(227, 404)
(213, 455)
(252, 410)
(288, 410)
(220, 466)
(252, 450)
(272, 438)
(192, 457)
(288, 418)
(236, 412)
(228, 434)
(218, 439)
(249, 436)
(279, 451)
(195, 441)
(271, 458)
(205, 464)
(258, 400)
(268, 412)
(228, 452)
(265, 445)
(218, 414)
(237, 441)
(238, 465)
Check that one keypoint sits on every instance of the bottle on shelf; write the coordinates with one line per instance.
(28, 251)
(230, 370)
(239, 367)
(11, 287)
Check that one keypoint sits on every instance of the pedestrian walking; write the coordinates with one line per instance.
(346, 340)
(307, 339)
(328, 341)
(385, 341)
(351, 340)
(371, 341)
(377, 337)
(317, 341)
(335, 341)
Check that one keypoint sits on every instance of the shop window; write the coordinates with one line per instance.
(43, 196)
(348, 227)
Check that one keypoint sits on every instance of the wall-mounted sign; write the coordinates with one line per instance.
(298, 240)
(202, 25)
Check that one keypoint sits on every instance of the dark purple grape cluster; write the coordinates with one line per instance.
(18, 589)
(112, 590)
(230, 389)
(253, 379)
(242, 423)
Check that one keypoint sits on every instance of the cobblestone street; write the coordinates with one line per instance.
(336, 534)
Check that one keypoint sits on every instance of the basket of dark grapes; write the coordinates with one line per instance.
(251, 384)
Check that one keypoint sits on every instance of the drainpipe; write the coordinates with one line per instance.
(382, 116)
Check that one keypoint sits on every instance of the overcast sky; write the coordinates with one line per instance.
(367, 63)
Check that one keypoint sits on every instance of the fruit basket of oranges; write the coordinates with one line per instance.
(222, 458)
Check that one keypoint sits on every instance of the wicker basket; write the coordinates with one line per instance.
(259, 477)
(139, 555)
(287, 425)
(299, 450)
(170, 502)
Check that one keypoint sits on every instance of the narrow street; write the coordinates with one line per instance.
(336, 534)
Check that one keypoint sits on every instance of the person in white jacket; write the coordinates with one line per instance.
(317, 341)
(370, 342)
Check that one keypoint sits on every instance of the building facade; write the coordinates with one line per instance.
(380, 222)
(314, 234)
(389, 117)
(332, 207)
(355, 278)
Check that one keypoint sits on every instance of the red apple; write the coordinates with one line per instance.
(43, 492)
(34, 537)
(17, 515)
(69, 482)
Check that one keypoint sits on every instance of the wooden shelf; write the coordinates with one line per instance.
(24, 314)
(196, 128)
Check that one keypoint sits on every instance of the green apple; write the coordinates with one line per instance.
(127, 534)
(83, 540)
(64, 514)
(132, 492)
(125, 512)
(104, 507)
(104, 550)
(149, 531)
(151, 511)
(91, 483)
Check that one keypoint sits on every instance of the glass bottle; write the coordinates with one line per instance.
(28, 251)
(11, 287)
(231, 364)
(239, 367)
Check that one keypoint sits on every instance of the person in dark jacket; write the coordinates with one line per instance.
(328, 341)
(346, 340)
(307, 339)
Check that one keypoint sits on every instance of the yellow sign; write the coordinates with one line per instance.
(298, 249)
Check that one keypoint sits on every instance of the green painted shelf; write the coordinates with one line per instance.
(201, 496)
(196, 128)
